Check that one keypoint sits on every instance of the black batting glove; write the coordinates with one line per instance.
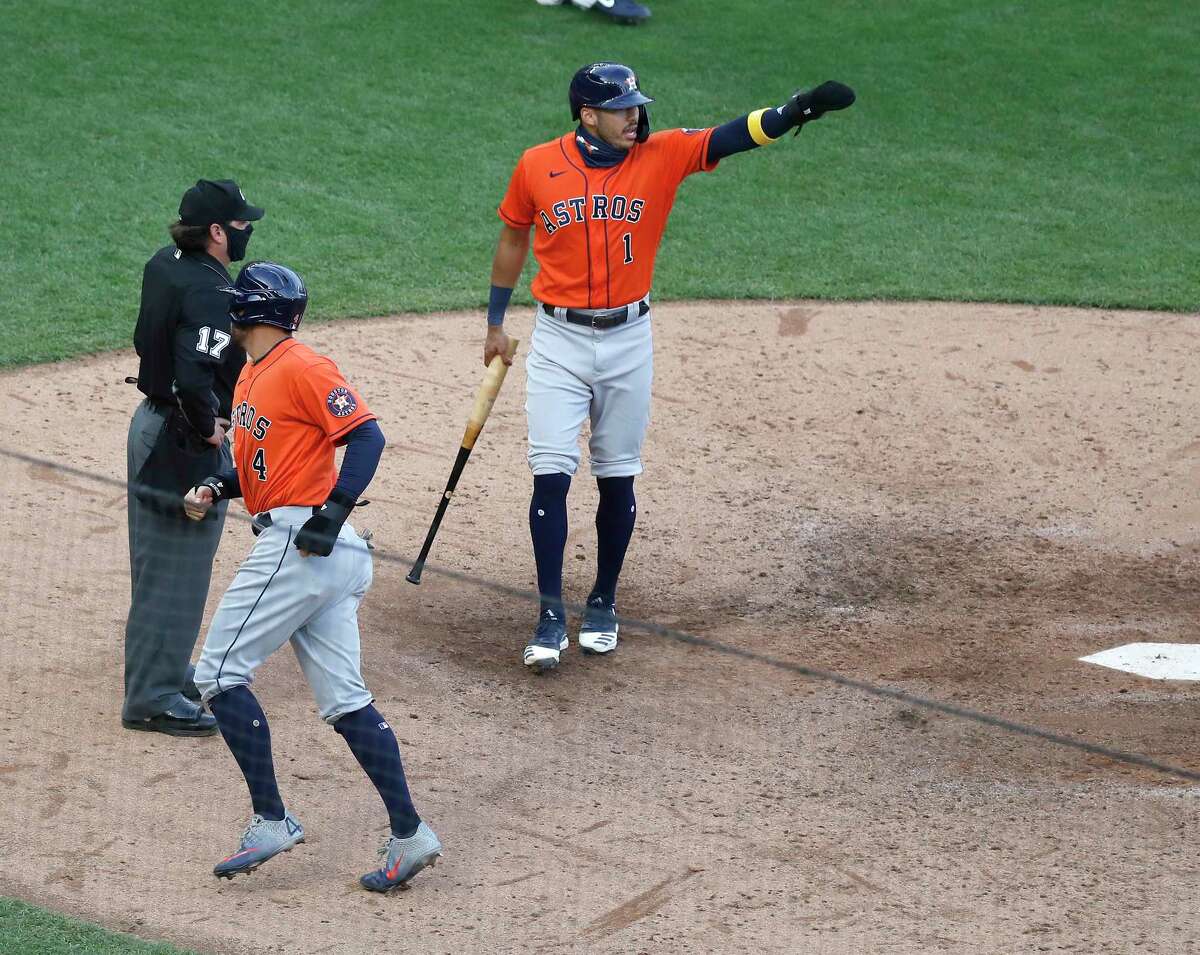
(320, 531)
(808, 105)
(223, 486)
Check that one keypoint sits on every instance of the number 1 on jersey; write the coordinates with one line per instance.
(260, 464)
(627, 238)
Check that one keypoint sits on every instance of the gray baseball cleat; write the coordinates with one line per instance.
(263, 839)
(598, 634)
(549, 640)
(402, 859)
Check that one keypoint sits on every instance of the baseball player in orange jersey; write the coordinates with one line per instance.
(598, 199)
(306, 574)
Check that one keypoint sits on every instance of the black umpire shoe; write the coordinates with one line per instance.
(185, 718)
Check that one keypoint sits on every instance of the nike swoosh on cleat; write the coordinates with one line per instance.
(236, 854)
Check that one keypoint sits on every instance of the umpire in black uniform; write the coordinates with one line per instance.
(188, 368)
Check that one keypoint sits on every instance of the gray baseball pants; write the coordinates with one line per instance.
(170, 566)
(573, 374)
(280, 596)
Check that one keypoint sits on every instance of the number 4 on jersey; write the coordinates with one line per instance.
(260, 464)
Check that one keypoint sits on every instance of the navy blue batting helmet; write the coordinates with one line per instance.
(610, 86)
(266, 293)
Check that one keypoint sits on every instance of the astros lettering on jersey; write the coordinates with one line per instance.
(286, 426)
(611, 218)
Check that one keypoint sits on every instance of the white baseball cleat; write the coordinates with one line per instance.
(549, 640)
(599, 631)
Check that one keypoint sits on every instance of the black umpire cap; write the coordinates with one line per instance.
(210, 201)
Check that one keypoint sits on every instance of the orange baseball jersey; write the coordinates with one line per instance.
(598, 230)
(291, 408)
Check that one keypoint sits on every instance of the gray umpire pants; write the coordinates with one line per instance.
(170, 566)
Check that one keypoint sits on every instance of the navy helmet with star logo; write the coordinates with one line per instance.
(267, 293)
(609, 86)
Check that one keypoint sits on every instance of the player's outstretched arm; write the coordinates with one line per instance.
(764, 126)
(511, 251)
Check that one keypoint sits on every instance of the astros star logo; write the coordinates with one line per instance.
(341, 402)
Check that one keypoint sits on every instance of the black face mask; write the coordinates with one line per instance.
(238, 239)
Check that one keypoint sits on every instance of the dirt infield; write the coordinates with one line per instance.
(955, 500)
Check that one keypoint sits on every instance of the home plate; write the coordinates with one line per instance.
(1159, 661)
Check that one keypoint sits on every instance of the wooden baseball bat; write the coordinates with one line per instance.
(484, 399)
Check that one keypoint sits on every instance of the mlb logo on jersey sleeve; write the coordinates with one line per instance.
(341, 402)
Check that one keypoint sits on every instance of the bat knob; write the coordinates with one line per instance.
(414, 575)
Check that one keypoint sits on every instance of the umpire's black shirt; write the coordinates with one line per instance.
(183, 336)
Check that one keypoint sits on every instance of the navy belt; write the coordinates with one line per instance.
(598, 318)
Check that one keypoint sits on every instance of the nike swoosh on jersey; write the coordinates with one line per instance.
(559, 173)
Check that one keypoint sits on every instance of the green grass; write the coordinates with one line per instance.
(1037, 152)
(25, 930)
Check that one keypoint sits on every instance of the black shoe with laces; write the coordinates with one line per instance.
(185, 718)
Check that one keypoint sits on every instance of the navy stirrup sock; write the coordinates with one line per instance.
(243, 724)
(374, 745)
(615, 517)
(548, 528)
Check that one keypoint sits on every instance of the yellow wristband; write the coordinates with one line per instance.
(754, 122)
